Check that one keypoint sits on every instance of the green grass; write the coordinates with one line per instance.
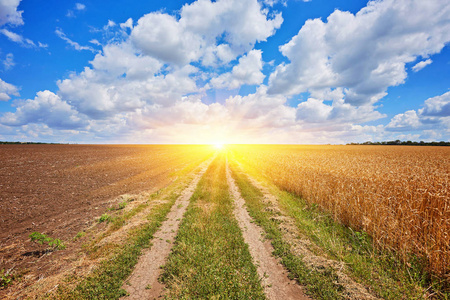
(210, 259)
(384, 274)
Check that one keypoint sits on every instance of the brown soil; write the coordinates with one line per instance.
(143, 282)
(273, 275)
(60, 190)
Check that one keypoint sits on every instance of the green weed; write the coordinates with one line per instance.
(41, 238)
(105, 218)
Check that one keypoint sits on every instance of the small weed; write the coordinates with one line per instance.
(41, 238)
(5, 279)
(105, 217)
(122, 205)
(79, 235)
(148, 287)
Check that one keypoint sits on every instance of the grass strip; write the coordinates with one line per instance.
(380, 270)
(210, 259)
(318, 284)
(107, 280)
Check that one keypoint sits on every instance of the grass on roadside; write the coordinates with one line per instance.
(210, 259)
(318, 284)
(381, 271)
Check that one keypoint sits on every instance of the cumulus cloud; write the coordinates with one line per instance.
(123, 81)
(363, 54)
(247, 71)
(438, 106)
(75, 45)
(420, 65)
(144, 87)
(9, 13)
(408, 120)
(203, 26)
(316, 113)
(6, 90)
(432, 118)
(46, 108)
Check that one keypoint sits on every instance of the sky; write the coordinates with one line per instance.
(224, 71)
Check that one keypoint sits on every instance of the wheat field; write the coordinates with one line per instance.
(397, 194)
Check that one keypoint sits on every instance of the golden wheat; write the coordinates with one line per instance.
(397, 194)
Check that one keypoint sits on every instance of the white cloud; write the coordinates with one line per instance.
(17, 38)
(237, 24)
(143, 88)
(80, 6)
(110, 24)
(363, 54)
(121, 81)
(95, 42)
(408, 120)
(433, 120)
(6, 90)
(438, 106)
(9, 61)
(247, 71)
(117, 60)
(46, 108)
(315, 113)
(161, 36)
(75, 45)
(127, 24)
(42, 45)
(9, 13)
(273, 2)
(420, 65)
(77, 7)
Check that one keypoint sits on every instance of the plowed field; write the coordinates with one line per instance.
(59, 190)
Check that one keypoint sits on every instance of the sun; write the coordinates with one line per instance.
(218, 146)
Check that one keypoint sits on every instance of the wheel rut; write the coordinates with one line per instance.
(273, 275)
(300, 247)
(143, 282)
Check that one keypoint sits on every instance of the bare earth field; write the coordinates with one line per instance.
(60, 190)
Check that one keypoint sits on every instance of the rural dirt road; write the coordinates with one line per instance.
(143, 282)
(273, 276)
(353, 289)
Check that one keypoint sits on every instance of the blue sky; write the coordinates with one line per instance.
(228, 71)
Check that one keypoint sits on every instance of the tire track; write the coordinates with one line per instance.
(300, 247)
(143, 282)
(273, 275)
